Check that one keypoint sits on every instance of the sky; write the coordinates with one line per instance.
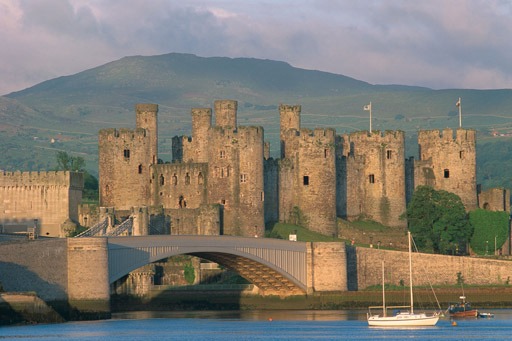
(438, 44)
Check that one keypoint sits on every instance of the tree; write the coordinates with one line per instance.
(77, 164)
(491, 230)
(438, 221)
(70, 163)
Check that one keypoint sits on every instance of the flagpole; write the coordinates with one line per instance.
(459, 104)
(370, 118)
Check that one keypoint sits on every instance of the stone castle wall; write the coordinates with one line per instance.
(436, 269)
(495, 199)
(51, 198)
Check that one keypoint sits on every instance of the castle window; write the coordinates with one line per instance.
(326, 153)
(461, 154)
(371, 178)
(222, 154)
(140, 169)
(126, 153)
(187, 179)
(305, 180)
(223, 202)
(446, 173)
(182, 203)
(200, 179)
(228, 171)
(388, 154)
(243, 178)
(162, 179)
(174, 179)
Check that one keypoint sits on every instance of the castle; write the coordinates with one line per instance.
(222, 179)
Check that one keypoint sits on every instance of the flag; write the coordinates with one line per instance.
(367, 107)
(458, 103)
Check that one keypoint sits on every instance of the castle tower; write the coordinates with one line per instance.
(250, 181)
(147, 118)
(307, 174)
(289, 120)
(225, 113)
(375, 176)
(448, 163)
(125, 157)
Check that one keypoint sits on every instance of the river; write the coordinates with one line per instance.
(258, 325)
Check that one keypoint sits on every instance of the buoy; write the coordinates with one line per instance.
(454, 323)
(270, 319)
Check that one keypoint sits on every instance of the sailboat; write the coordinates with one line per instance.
(403, 318)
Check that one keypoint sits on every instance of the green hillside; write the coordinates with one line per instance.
(66, 113)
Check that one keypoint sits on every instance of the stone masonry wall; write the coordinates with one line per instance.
(329, 272)
(36, 265)
(50, 197)
(438, 269)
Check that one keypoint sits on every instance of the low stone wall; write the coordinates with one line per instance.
(436, 269)
(26, 308)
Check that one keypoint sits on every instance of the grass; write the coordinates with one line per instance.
(283, 231)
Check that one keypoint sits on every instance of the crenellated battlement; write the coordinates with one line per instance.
(388, 136)
(64, 178)
(110, 134)
(318, 135)
(447, 135)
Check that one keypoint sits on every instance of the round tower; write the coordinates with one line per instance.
(201, 124)
(225, 113)
(146, 118)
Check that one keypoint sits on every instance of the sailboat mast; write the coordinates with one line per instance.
(383, 293)
(410, 271)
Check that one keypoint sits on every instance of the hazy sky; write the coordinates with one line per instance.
(433, 43)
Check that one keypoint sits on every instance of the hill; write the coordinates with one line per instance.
(66, 113)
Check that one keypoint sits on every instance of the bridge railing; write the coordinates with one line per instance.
(97, 230)
(126, 227)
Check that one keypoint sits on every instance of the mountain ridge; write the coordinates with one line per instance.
(70, 110)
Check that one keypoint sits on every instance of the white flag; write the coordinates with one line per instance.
(367, 107)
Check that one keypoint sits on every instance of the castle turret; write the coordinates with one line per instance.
(201, 124)
(146, 118)
(225, 113)
(289, 121)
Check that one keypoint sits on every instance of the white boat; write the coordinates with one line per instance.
(402, 318)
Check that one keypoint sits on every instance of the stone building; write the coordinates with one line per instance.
(48, 201)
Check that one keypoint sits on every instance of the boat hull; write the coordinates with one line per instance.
(466, 313)
(403, 320)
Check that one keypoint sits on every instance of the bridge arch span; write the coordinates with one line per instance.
(272, 265)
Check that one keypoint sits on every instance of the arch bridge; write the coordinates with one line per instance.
(274, 266)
